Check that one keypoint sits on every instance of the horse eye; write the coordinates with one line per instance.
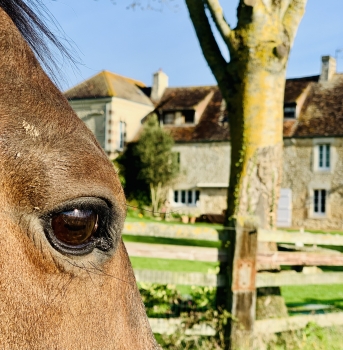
(74, 227)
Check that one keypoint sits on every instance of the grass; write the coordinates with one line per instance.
(172, 265)
(172, 241)
(152, 220)
(312, 337)
(314, 294)
(333, 232)
(294, 295)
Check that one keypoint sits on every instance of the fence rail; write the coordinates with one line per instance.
(179, 278)
(168, 326)
(168, 251)
(211, 234)
(244, 277)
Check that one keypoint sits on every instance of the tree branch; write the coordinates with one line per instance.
(219, 19)
(207, 41)
(292, 18)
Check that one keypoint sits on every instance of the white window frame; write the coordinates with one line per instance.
(324, 158)
(320, 193)
(122, 135)
(187, 194)
(319, 185)
(324, 143)
(288, 109)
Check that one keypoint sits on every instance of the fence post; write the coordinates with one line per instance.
(242, 284)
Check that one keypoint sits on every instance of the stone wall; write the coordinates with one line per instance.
(302, 176)
(205, 167)
(200, 163)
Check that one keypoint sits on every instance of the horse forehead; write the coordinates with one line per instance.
(47, 163)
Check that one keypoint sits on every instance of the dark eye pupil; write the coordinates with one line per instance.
(75, 227)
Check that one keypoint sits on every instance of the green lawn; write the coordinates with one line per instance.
(172, 241)
(172, 265)
(314, 294)
(151, 220)
(294, 295)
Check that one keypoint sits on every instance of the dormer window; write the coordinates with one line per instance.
(189, 116)
(289, 110)
(179, 117)
(169, 118)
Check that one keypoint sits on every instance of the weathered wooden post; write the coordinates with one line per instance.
(241, 278)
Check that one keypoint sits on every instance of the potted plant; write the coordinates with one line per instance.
(192, 218)
(184, 218)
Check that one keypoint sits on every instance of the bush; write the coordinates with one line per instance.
(198, 308)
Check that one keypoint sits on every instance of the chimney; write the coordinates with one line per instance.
(328, 68)
(160, 83)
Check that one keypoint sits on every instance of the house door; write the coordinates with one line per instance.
(284, 211)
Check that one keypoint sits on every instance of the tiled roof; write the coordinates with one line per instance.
(210, 126)
(107, 84)
(294, 87)
(322, 113)
(289, 127)
(184, 97)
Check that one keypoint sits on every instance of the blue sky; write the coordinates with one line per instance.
(136, 43)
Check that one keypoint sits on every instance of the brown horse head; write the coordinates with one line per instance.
(66, 281)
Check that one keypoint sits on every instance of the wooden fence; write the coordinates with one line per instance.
(300, 249)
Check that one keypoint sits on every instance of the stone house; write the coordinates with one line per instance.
(112, 106)
(196, 119)
(312, 186)
(313, 150)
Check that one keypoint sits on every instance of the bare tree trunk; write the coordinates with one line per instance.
(256, 167)
(252, 84)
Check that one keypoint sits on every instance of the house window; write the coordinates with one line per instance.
(183, 197)
(169, 118)
(324, 157)
(189, 197)
(189, 116)
(122, 135)
(179, 117)
(289, 110)
(319, 202)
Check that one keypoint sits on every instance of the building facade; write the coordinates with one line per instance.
(312, 186)
(196, 117)
(112, 106)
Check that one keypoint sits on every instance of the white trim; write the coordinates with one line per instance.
(108, 147)
(319, 186)
(213, 185)
(320, 211)
(332, 155)
(179, 203)
(121, 135)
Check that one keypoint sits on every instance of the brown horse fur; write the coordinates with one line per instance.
(48, 157)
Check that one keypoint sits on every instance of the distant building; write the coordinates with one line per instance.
(196, 117)
(312, 186)
(112, 106)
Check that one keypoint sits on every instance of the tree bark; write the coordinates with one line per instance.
(252, 84)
